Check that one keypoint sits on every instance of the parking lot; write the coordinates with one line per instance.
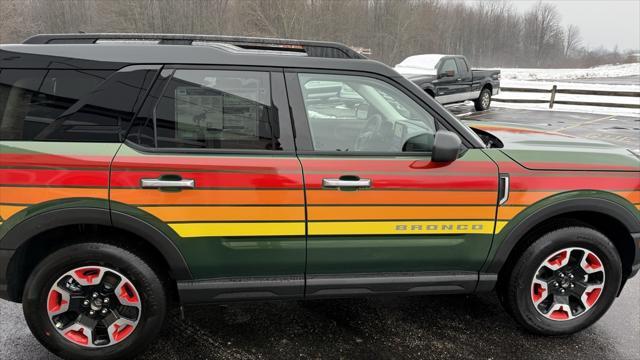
(435, 327)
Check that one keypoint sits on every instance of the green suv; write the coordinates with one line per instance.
(139, 172)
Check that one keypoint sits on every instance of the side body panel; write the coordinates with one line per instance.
(537, 191)
(36, 177)
(245, 217)
(417, 216)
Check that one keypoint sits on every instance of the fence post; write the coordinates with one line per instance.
(553, 96)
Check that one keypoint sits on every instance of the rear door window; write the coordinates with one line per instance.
(212, 109)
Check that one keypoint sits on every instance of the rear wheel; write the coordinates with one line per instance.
(484, 100)
(94, 300)
(564, 282)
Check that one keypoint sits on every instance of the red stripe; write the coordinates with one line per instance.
(574, 183)
(54, 177)
(428, 181)
(397, 165)
(207, 163)
(209, 180)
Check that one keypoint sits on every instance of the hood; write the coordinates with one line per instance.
(537, 149)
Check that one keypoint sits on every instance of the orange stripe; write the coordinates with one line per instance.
(509, 212)
(632, 196)
(34, 195)
(204, 197)
(400, 212)
(384, 197)
(7, 211)
(226, 213)
(528, 198)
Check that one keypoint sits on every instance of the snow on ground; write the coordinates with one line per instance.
(604, 71)
(531, 78)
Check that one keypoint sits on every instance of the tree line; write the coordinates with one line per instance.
(489, 33)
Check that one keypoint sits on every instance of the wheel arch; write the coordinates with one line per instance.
(30, 242)
(614, 220)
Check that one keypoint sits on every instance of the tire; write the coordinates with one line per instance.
(483, 102)
(527, 300)
(100, 266)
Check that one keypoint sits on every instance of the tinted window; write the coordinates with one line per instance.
(213, 109)
(32, 100)
(462, 65)
(70, 105)
(449, 65)
(355, 113)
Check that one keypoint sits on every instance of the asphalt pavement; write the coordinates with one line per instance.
(432, 327)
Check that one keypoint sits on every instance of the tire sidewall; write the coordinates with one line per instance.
(538, 252)
(145, 281)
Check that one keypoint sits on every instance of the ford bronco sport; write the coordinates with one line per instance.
(140, 171)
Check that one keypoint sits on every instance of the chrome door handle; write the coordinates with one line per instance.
(174, 184)
(338, 183)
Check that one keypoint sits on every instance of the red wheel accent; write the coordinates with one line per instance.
(55, 301)
(77, 336)
(560, 314)
(120, 334)
(593, 262)
(558, 259)
(593, 296)
(129, 294)
(88, 274)
(538, 292)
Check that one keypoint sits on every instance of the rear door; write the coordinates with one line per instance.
(210, 160)
(378, 209)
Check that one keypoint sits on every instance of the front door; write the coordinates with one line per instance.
(376, 204)
(211, 161)
(450, 86)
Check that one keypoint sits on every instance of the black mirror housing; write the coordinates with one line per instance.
(446, 147)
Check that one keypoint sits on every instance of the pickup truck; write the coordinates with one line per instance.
(449, 79)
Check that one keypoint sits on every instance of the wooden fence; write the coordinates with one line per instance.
(554, 90)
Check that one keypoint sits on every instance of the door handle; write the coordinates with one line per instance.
(346, 183)
(163, 184)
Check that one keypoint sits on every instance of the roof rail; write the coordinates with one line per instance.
(311, 48)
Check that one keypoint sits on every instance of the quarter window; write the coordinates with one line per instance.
(360, 114)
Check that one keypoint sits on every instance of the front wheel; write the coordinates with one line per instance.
(564, 282)
(484, 100)
(94, 300)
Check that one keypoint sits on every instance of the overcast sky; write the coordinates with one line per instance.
(602, 22)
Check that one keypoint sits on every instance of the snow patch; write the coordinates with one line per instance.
(604, 71)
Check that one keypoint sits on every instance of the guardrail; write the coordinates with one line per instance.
(554, 90)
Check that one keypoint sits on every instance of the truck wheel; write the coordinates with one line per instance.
(564, 282)
(94, 301)
(484, 101)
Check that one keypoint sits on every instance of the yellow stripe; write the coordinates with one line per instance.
(7, 211)
(239, 229)
(257, 229)
(402, 227)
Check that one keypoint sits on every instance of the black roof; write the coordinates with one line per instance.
(308, 47)
(117, 55)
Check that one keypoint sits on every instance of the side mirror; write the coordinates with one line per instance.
(446, 147)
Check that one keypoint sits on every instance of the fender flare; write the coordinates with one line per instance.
(40, 223)
(598, 205)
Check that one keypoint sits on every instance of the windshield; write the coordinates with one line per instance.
(419, 64)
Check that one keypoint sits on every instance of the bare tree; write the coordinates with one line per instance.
(572, 40)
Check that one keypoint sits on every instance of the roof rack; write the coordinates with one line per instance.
(311, 48)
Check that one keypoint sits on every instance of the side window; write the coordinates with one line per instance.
(462, 65)
(360, 114)
(31, 100)
(70, 105)
(449, 65)
(213, 109)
